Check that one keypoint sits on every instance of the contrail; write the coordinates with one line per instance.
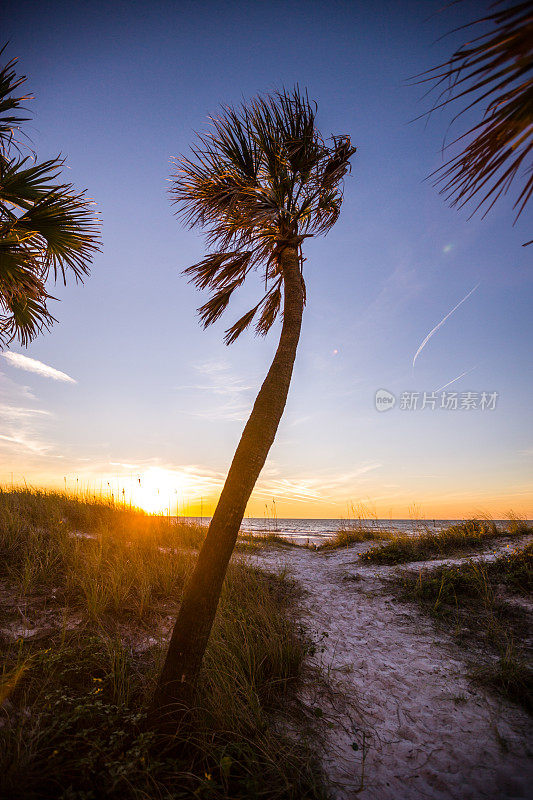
(443, 320)
(455, 379)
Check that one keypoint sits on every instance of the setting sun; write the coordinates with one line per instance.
(164, 491)
(158, 490)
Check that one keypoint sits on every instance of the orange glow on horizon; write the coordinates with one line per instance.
(194, 492)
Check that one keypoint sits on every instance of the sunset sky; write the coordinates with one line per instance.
(128, 392)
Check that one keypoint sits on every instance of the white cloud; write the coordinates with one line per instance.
(9, 412)
(287, 489)
(22, 426)
(527, 452)
(397, 289)
(231, 396)
(23, 444)
(323, 487)
(32, 365)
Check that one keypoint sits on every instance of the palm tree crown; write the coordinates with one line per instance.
(45, 226)
(262, 179)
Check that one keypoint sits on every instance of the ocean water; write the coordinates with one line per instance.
(316, 530)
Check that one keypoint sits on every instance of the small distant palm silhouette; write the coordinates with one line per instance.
(260, 182)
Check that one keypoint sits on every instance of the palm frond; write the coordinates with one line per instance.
(45, 226)
(64, 222)
(495, 70)
(233, 333)
(271, 307)
(23, 312)
(27, 317)
(270, 304)
(219, 270)
(216, 305)
(24, 185)
(339, 163)
(9, 84)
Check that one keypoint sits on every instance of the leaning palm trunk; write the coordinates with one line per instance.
(195, 619)
(259, 182)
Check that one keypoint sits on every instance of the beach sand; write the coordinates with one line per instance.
(408, 724)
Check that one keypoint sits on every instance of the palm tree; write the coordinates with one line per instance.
(44, 226)
(494, 71)
(259, 183)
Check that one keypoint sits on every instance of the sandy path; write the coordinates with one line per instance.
(421, 729)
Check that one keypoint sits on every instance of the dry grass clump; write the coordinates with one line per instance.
(514, 570)
(519, 526)
(472, 599)
(253, 541)
(362, 525)
(471, 534)
(355, 535)
(82, 632)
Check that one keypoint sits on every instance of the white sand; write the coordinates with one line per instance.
(427, 731)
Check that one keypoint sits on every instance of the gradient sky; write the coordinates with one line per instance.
(120, 88)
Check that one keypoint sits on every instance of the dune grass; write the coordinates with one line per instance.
(471, 534)
(99, 558)
(348, 536)
(88, 592)
(254, 541)
(361, 525)
(345, 537)
(472, 599)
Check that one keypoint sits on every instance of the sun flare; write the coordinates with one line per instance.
(158, 490)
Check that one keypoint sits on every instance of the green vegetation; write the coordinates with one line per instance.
(88, 591)
(473, 599)
(472, 534)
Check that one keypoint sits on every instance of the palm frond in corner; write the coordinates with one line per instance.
(494, 73)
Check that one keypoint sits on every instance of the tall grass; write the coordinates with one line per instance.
(100, 557)
(361, 525)
(89, 593)
(350, 535)
(469, 535)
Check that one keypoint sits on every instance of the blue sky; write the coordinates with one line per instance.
(119, 90)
